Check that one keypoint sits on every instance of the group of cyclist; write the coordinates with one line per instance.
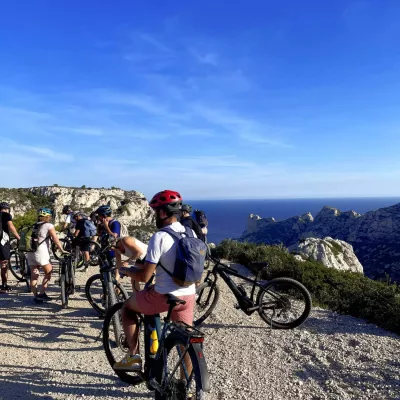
(169, 212)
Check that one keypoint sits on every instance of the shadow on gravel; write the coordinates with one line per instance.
(328, 323)
(37, 331)
(27, 383)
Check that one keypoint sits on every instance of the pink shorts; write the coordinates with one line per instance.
(150, 302)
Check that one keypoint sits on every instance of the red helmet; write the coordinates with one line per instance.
(172, 201)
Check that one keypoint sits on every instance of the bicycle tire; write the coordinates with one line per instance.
(283, 303)
(172, 341)
(123, 295)
(95, 250)
(72, 281)
(211, 301)
(27, 273)
(66, 245)
(64, 296)
(16, 267)
(126, 377)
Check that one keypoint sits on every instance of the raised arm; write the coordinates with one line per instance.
(12, 229)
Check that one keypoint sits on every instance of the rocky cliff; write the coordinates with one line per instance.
(375, 236)
(333, 253)
(131, 207)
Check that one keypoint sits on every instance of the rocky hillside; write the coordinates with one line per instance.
(333, 253)
(131, 207)
(375, 236)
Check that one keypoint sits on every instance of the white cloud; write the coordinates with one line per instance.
(206, 58)
(154, 42)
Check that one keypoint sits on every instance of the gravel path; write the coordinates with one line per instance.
(49, 353)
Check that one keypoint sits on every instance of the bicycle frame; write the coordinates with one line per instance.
(246, 303)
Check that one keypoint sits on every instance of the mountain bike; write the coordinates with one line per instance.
(94, 251)
(19, 267)
(103, 290)
(283, 303)
(177, 369)
(67, 279)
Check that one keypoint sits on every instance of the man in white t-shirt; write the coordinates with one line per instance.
(70, 221)
(150, 301)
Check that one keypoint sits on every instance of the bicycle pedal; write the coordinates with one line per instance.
(237, 306)
(77, 287)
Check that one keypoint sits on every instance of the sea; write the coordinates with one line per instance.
(228, 218)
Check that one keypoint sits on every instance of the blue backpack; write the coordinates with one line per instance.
(90, 228)
(190, 257)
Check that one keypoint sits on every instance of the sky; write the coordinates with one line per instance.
(214, 99)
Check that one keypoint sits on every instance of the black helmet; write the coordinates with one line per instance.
(5, 206)
(186, 208)
(104, 210)
(66, 209)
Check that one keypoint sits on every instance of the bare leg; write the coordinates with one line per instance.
(86, 256)
(34, 278)
(129, 322)
(47, 276)
(4, 270)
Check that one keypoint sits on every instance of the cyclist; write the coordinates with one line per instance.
(108, 227)
(152, 300)
(69, 219)
(187, 220)
(41, 257)
(82, 236)
(7, 226)
(129, 248)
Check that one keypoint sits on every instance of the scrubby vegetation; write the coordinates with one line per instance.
(28, 219)
(340, 291)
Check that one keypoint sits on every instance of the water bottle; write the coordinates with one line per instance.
(153, 342)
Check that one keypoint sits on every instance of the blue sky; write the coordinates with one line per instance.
(243, 99)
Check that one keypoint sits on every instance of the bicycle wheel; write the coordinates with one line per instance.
(95, 293)
(116, 347)
(27, 272)
(64, 296)
(66, 245)
(284, 303)
(181, 378)
(206, 300)
(15, 267)
(94, 252)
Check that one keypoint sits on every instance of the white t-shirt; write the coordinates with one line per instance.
(162, 248)
(43, 236)
(69, 219)
(42, 255)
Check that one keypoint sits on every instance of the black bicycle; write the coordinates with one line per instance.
(67, 279)
(19, 267)
(103, 290)
(78, 260)
(174, 366)
(283, 303)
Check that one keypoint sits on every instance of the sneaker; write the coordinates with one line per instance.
(129, 363)
(37, 300)
(44, 297)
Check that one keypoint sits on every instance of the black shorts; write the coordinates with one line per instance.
(83, 243)
(5, 251)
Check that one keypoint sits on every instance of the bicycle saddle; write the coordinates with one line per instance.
(171, 299)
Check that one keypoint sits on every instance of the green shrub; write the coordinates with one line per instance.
(28, 219)
(340, 291)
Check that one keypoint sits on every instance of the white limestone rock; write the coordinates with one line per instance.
(332, 253)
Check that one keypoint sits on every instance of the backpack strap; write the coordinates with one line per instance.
(47, 237)
(178, 236)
